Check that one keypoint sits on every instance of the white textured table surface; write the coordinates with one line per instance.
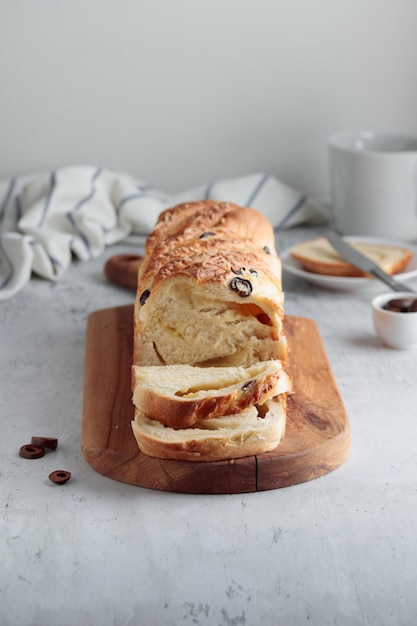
(339, 550)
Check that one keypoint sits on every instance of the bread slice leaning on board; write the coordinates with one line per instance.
(209, 298)
(181, 395)
(319, 257)
(254, 431)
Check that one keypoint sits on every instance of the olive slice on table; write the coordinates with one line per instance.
(45, 442)
(29, 451)
(60, 477)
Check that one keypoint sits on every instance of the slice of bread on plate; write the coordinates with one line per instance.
(319, 257)
(181, 395)
(256, 430)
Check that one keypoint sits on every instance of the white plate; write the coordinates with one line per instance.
(347, 282)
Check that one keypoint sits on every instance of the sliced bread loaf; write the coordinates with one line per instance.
(181, 395)
(209, 290)
(254, 431)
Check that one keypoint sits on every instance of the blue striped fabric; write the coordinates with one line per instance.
(47, 218)
(18, 209)
(8, 272)
(47, 200)
(91, 193)
(6, 199)
(256, 191)
(209, 191)
(80, 234)
(287, 217)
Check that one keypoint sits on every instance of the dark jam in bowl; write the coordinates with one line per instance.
(401, 305)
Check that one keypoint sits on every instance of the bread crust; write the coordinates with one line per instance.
(185, 221)
(248, 435)
(208, 260)
(180, 395)
(210, 295)
(200, 258)
(319, 257)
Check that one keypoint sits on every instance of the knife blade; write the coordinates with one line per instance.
(354, 257)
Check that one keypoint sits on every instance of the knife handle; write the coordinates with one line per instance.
(391, 282)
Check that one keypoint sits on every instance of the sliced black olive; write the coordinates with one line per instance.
(145, 295)
(266, 249)
(242, 287)
(253, 272)
(60, 477)
(45, 442)
(28, 451)
(248, 385)
(207, 234)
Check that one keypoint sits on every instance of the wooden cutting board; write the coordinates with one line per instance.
(316, 442)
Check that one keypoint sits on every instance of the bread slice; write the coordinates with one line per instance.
(181, 395)
(256, 430)
(319, 256)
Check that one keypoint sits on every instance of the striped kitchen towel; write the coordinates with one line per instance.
(47, 219)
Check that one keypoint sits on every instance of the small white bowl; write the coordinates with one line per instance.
(397, 330)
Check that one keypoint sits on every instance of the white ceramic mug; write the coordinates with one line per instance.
(374, 184)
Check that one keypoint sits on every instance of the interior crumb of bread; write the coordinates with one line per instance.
(251, 420)
(190, 328)
(253, 431)
(224, 380)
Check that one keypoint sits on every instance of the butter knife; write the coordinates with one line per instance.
(350, 254)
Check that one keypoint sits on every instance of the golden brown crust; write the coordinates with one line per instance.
(208, 259)
(196, 218)
(319, 257)
(158, 394)
(241, 437)
(210, 294)
(199, 258)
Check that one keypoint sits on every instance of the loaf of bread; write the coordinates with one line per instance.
(209, 289)
(319, 256)
(208, 378)
(181, 395)
(254, 431)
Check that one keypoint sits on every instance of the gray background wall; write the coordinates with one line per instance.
(180, 92)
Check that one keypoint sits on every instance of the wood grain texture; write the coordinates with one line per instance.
(123, 269)
(317, 440)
